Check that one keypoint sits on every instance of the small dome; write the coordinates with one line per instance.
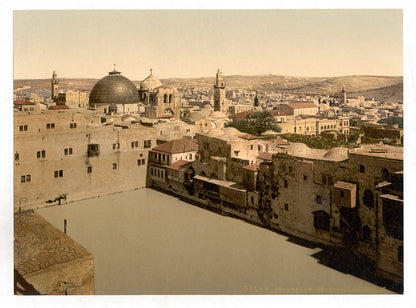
(232, 131)
(151, 82)
(114, 89)
(214, 132)
(337, 154)
(298, 149)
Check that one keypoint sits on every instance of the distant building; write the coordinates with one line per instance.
(301, 108)
(219, 93)
(159, 101)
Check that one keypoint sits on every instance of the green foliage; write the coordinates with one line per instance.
(392, 120)
(256, 124)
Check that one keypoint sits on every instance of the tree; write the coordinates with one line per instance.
(256, 123)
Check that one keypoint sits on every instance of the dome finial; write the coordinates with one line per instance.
(114, 72)
(151, 71)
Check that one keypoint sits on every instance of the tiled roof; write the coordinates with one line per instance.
(248, 137)
(23, 102)
(241, 115)
(177, 165)
(177, 146)
(276, 112)
(302, 105)
(252, 167)
(265, 156)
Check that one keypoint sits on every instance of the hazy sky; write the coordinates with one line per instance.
(177, 43)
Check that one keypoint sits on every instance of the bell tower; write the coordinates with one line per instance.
(219, 93)
(54, 86)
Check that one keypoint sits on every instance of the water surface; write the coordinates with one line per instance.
(147, 242)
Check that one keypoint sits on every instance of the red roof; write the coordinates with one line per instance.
(280, 141)
(241, 115)
(177, 165)
(23, 102)
(248, 137)
(252, 167)
(58, 107)
(265, 156)
(302, 105)
(177, 146)
(276, 112)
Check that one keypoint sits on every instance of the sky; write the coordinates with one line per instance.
(194, 43)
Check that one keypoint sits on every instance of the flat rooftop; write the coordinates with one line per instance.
(39, 245)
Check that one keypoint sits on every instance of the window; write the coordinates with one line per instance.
(318, 199)
(252, 199)
(23, 128)
(163, 157)
(132, 144)
(385, 173)
(114, 166)
(305, 178)
(28, 178)
(139, 162)
(50, 125)
(251, 147)
(116, 146)
(342, 194)
(143, 161)
(41, 154)
(93, 150)
(290, 169)
(23, 179)
(285, 184)
(89, 169)
(16, 156)
(286, 207)
(368, 198)
(147, 143)
(59, 173)
(190, 156)
(151, 170)
(362, 169)
(72, 125)
(326, 179)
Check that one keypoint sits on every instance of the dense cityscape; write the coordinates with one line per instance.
(241, 152)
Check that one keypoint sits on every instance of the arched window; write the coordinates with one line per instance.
(170, 98)
(362, 169)
(366, 233)
(385, 173)
(165, 98)
(368, 198)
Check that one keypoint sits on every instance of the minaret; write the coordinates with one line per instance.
(219, 93)
(54, 86)
(344, 95)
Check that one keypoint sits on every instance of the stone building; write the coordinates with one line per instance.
(315, 125)
(219, 93)
(72, 99)
(159, 101)
(338, 204)
(71, 155)
(300, 108)
(166, 161)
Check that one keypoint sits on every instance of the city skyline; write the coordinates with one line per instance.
(194, 43)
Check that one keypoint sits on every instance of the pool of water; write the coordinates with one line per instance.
(147, 242)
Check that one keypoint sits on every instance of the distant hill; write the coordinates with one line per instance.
(378, 87)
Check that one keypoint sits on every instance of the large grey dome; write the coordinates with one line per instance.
(114, 89)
